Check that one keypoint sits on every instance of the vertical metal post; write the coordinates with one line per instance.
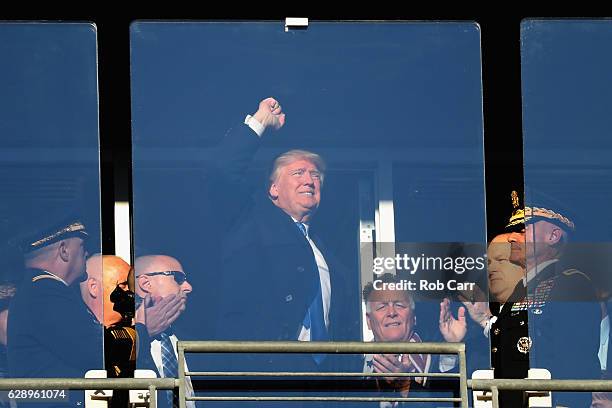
(152, 396)
(181, 375)
(366, 244)
(385, 213)
(495, 396)
(463, 379)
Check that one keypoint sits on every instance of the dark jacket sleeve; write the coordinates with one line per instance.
(143, 347)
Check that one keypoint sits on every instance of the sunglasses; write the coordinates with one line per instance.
(179, 276)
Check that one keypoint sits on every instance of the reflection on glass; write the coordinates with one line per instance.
(566, 94)
(353, 135)
(49, 200)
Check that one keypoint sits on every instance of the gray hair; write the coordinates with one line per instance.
(295, 155)
(369, 290)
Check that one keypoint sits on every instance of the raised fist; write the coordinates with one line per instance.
(270, 114)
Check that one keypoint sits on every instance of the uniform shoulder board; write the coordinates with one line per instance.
(575, 272)
(123, 333)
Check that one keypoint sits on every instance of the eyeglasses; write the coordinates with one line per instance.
(179, 276)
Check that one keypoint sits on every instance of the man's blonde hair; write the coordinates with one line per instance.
(292, 156)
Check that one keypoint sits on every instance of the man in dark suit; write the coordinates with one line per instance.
(278, 281)
(162, 283)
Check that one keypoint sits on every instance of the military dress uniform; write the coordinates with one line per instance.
(51, 332)
(564, 323)
(510, 345)
(120, 358)
(556, 324)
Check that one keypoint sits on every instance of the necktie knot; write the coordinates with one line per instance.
(302, 228)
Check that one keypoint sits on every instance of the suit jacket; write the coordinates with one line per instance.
(144, 360)
(268, 274)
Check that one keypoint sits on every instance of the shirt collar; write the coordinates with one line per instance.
(303, 223)
(537, 269)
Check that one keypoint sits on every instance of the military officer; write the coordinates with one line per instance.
(560, 303)
(51, 332)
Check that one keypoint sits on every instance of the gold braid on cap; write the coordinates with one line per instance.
(74, 227)
(550, 214)
(518, 215)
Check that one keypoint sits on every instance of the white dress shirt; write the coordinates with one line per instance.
(324, 281)
(156, 354)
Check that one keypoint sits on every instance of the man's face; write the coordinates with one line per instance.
(517, 247)
(163, 285)
(503, 274)
(297, 189)
(540, 237)
(389, 315)
(114, 274)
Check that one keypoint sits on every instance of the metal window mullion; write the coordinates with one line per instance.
(385, 215)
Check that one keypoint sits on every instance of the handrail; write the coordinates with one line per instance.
(152, 384)
(314, 347)
(87, 383)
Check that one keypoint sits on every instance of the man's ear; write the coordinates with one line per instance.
(555, 235)
(273, 192)
(63, 251)
(93, 287)
(144, 283)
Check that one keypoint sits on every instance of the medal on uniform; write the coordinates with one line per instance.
(524, 345)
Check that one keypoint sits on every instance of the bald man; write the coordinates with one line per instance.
(104, 274)
(162, 283)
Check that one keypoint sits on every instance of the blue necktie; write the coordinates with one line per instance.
(170, 366)
(314, 319)
(302, 228)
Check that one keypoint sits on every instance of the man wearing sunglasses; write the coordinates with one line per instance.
(162, 284)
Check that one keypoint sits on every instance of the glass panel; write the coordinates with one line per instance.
(395, 109)
(49, 199)
(567, 90)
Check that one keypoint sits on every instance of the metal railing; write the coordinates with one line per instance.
(294, 347)
(151, 384)
(532, 386)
